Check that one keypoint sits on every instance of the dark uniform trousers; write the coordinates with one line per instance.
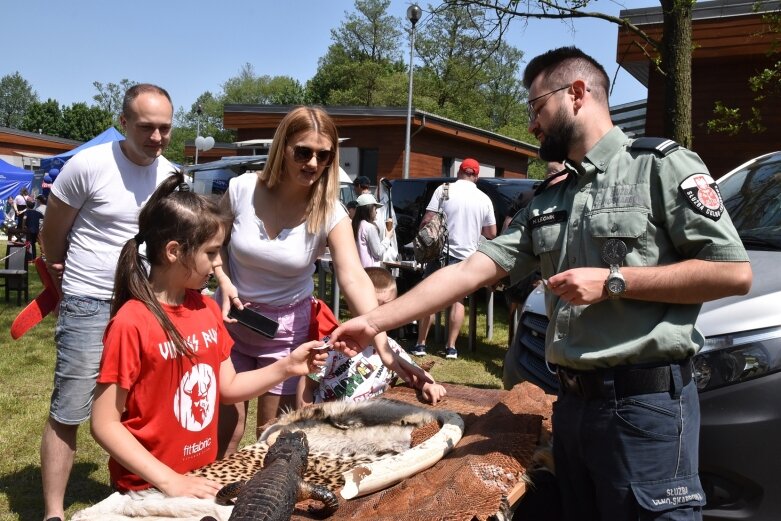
(625, 444)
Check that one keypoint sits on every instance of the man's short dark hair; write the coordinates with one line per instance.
(362, 180)
(142, 88)
(565, 65)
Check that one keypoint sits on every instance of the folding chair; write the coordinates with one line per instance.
(14, 275)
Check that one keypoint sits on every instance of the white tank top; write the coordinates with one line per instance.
(275, 271)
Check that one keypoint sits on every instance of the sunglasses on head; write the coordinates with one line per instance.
(304, 155)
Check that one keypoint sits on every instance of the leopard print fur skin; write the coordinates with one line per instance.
(324, 468)
(341, 436)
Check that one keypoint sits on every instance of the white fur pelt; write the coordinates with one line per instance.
(152, 505)
(377, 426)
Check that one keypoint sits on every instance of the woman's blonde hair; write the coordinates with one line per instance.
(325, 193)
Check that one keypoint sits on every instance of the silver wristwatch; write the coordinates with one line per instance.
(615, 284)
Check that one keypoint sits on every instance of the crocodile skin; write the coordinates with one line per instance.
(271, 494)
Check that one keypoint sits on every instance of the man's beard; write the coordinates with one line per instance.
(558, 138)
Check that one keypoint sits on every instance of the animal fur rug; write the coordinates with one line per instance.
(380, 429)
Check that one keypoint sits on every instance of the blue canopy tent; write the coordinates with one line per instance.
(13, 179)
(110, 134)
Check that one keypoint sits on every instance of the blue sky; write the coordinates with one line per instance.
(193, 46)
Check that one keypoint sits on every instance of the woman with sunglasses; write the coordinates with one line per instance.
(283, 219)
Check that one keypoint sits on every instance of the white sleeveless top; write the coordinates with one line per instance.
(278, 271)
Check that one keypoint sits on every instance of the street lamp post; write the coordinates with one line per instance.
(201, 143)
(199, 111)
(413, 15)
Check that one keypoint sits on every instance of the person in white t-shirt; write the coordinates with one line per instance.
(470, 216)
(283, 218)
(92, 211)
(20, 206)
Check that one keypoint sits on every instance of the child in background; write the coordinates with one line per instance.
(166, 362)
(362, 376)
(31, 224)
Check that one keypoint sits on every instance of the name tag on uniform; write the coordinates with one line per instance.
(547, 218)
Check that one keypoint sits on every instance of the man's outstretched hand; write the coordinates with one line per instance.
(353, 336)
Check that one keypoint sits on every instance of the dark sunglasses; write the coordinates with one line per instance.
(304, 155)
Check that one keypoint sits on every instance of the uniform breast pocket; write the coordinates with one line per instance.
(627, 224)
(548, 241)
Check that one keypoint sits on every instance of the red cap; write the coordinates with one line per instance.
(470, 164)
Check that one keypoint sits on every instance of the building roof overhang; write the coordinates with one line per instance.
(268, 117)
(720, 28)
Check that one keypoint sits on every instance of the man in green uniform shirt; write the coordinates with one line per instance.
(629, 245)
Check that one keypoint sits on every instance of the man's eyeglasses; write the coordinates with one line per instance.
(530, 104)
(304, 155)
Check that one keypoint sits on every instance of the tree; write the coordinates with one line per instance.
(671, 55)
(210, 118)
(364, 65)
(505, 95)
(244, 88)
(469, 74)
(82, 122)
(45, 117)
(16, 96)
(730, 120)
(248, 88)
(110, 97)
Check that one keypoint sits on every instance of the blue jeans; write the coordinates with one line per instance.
(79, 339)
(631, 458)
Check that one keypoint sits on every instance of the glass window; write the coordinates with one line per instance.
(752, 196)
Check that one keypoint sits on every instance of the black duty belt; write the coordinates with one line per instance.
(627, 381)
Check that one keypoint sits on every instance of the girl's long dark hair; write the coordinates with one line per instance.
(362, 213)
(173, 213)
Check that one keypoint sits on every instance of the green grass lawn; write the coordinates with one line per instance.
(26, 372)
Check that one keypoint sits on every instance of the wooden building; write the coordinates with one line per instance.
(730, 44)
(25, 149)
(376, 140)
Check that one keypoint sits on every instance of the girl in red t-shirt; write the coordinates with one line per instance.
(166, 363)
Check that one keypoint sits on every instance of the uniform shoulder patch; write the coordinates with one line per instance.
(702, 194)
(658, 145)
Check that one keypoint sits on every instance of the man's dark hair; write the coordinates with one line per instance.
(362, 180)
(142, 88)
(565, 65)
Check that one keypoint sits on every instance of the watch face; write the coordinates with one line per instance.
(614, 251)
(616, 285)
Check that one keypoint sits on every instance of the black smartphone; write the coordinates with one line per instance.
(255, 321)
